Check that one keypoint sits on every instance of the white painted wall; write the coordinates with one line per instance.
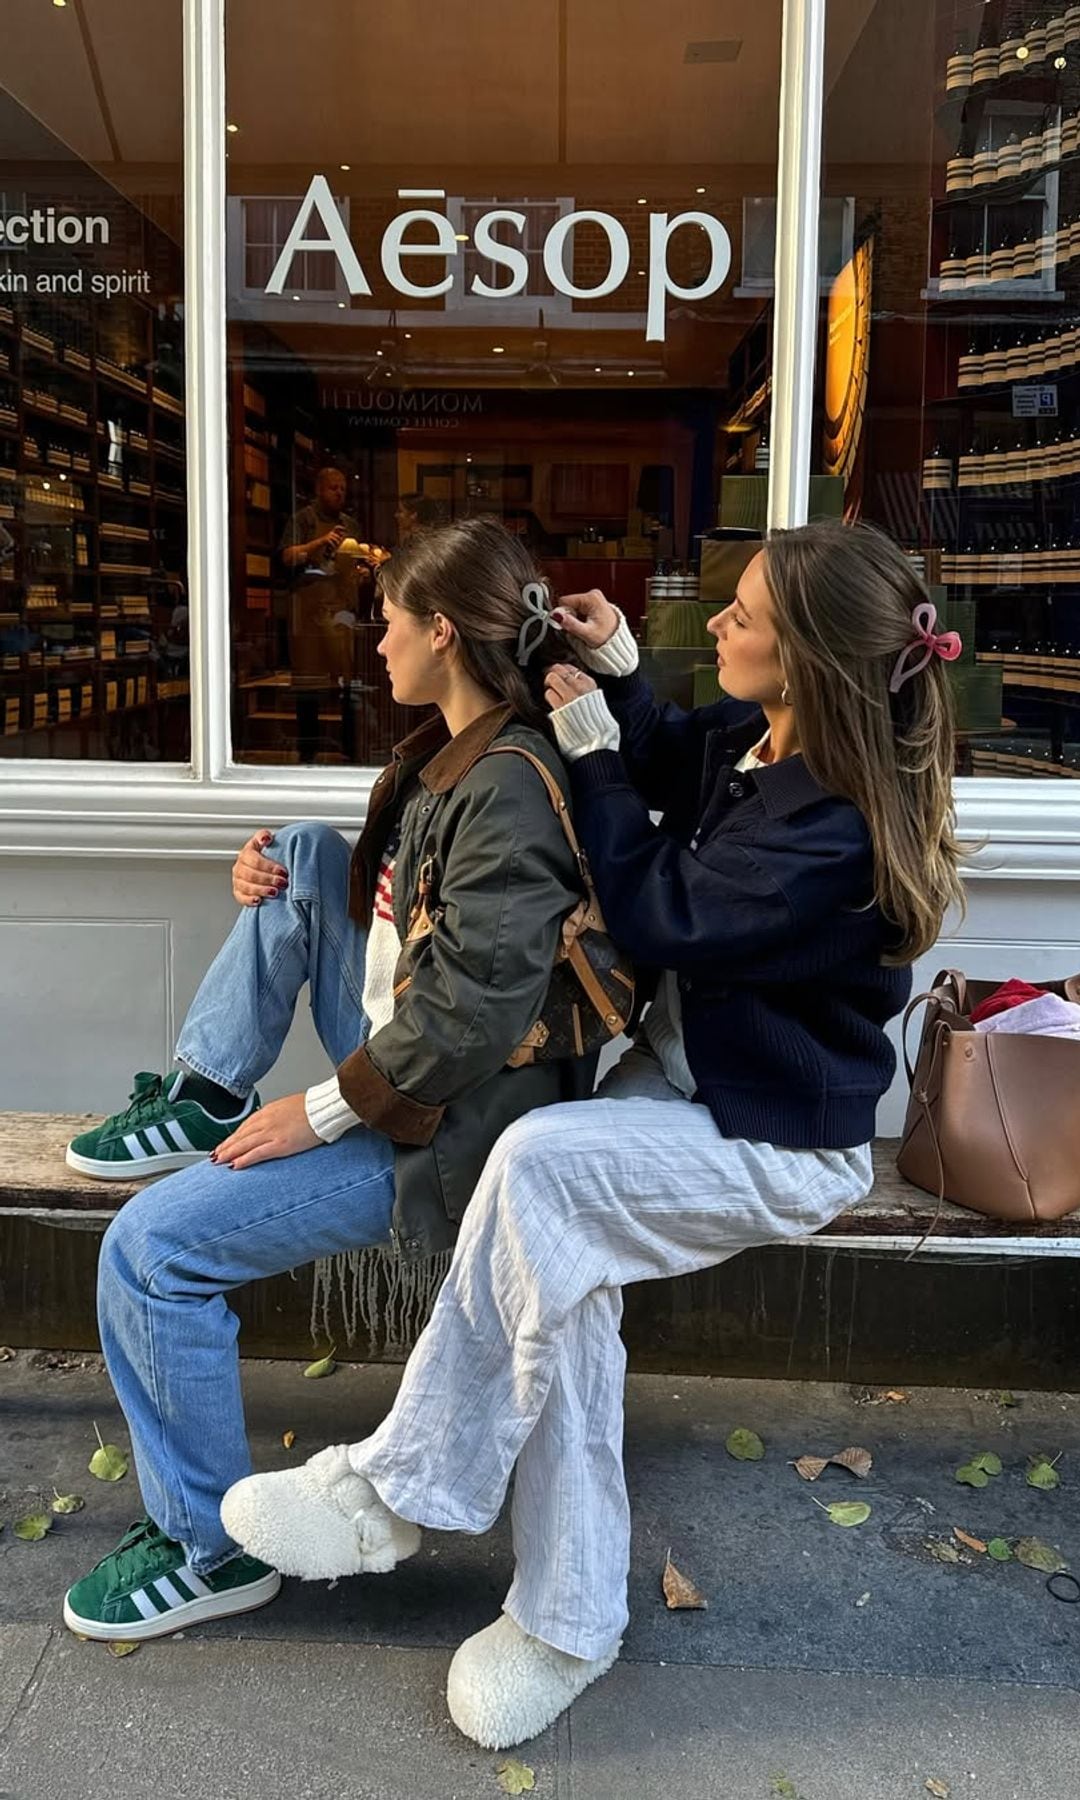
(100, 956)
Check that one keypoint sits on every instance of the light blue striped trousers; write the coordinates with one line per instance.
(522, 1366)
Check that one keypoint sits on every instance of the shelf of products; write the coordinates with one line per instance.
(93, 612)
(1001, 456)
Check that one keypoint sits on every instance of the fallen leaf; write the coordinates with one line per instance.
(938, 1788)
(810, 1467)
(898, 1395)
(860, 1462)
(107, 1463)
(288, 1438)
(32, 1528)
(846, 1512)
(987, 1460)
(679, 1590)
(973, 1477)
(67, 1503)
(1042, 1474)
(999, 1550)
(942, 1551)
(1007, 1398)
(325, 1366)
(783, 1787)
(1034, 1554)
(973, 1543)
(745, 1445)
(515, 1777)
(121, 1647)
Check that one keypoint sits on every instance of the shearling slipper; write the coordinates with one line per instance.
(505, 1686)
(318, 1521)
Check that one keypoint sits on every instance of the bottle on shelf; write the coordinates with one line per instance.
(960, 66)
(1012, 39)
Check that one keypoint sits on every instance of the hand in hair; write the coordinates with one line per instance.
(562, 685)
(590, 617)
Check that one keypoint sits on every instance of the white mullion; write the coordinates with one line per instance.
(205, 345)
(798, 208)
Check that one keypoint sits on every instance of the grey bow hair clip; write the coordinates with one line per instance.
(538, 620)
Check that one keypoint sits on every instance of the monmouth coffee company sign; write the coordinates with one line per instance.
(423, 231)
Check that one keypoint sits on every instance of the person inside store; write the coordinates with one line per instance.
(327, 580)
(417, 512)
(805, 858)
(418, 1012)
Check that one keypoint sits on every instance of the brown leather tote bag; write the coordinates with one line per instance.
(993, 1122)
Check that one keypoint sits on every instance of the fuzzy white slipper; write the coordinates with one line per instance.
(504, 1686)
(318, 1521)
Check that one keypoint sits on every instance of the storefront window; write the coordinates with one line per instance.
(948, 377)
(489, 260)
(93, 581)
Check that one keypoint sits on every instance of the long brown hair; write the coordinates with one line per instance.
(474, 573)
(843, 596)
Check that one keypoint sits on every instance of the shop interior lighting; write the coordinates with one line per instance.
(232, 129)
(643, 202)
(1023, 53)
(598, 370)
(59, 2)
(1061, 62)
(461, 237)
(498, 349)
(345, 167)
(699, 190)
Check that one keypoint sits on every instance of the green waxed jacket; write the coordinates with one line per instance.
(435, 1080)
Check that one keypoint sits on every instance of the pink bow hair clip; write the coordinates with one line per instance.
(927, 643)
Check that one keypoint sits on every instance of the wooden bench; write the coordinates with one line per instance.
(36, 1182)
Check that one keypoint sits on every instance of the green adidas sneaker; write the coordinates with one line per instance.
(161, 1128)
(145, 1589)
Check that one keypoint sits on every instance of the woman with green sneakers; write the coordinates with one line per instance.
(418, 1030)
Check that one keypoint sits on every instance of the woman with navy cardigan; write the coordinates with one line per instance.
(804, 859)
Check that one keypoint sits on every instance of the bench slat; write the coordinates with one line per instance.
(34, 1174)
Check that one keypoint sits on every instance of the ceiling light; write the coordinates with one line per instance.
(341, 306)
(643, 203)
(629, 371)
(296, 296)
(598, 370)
(1061, 62)
(232, 128)
(1023, 53)
(699, 190)
(408, 334)
(46, 485)
(462, 237)
(59, 2)
(498, 350)
(641, 271)
(63, 477)
(345, 167)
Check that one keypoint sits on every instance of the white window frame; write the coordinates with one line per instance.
(67, 808)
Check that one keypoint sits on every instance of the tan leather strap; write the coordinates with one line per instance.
(558, 801)
(605, 1008)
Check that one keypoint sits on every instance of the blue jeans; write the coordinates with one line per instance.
(176, 1249)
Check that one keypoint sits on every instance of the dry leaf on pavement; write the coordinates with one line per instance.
(679, 1591)
(514, 1777)
(973, 1543)
(940, 1789)
(859, 1461)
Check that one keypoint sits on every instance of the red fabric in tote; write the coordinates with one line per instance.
(1009, 994)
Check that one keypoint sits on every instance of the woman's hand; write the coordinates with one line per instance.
(280, 1128)
(254, 876)
(563, 685)
(590, 617)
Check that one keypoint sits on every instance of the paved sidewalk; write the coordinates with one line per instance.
(831, 1664)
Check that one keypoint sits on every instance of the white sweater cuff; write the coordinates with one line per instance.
(585, 725)
(619, 656)
(329, 1116)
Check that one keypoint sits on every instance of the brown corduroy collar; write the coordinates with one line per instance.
(452, 757)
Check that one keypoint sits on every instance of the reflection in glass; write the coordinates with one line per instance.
(478, 292)
(949, 364)
(93, 553)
